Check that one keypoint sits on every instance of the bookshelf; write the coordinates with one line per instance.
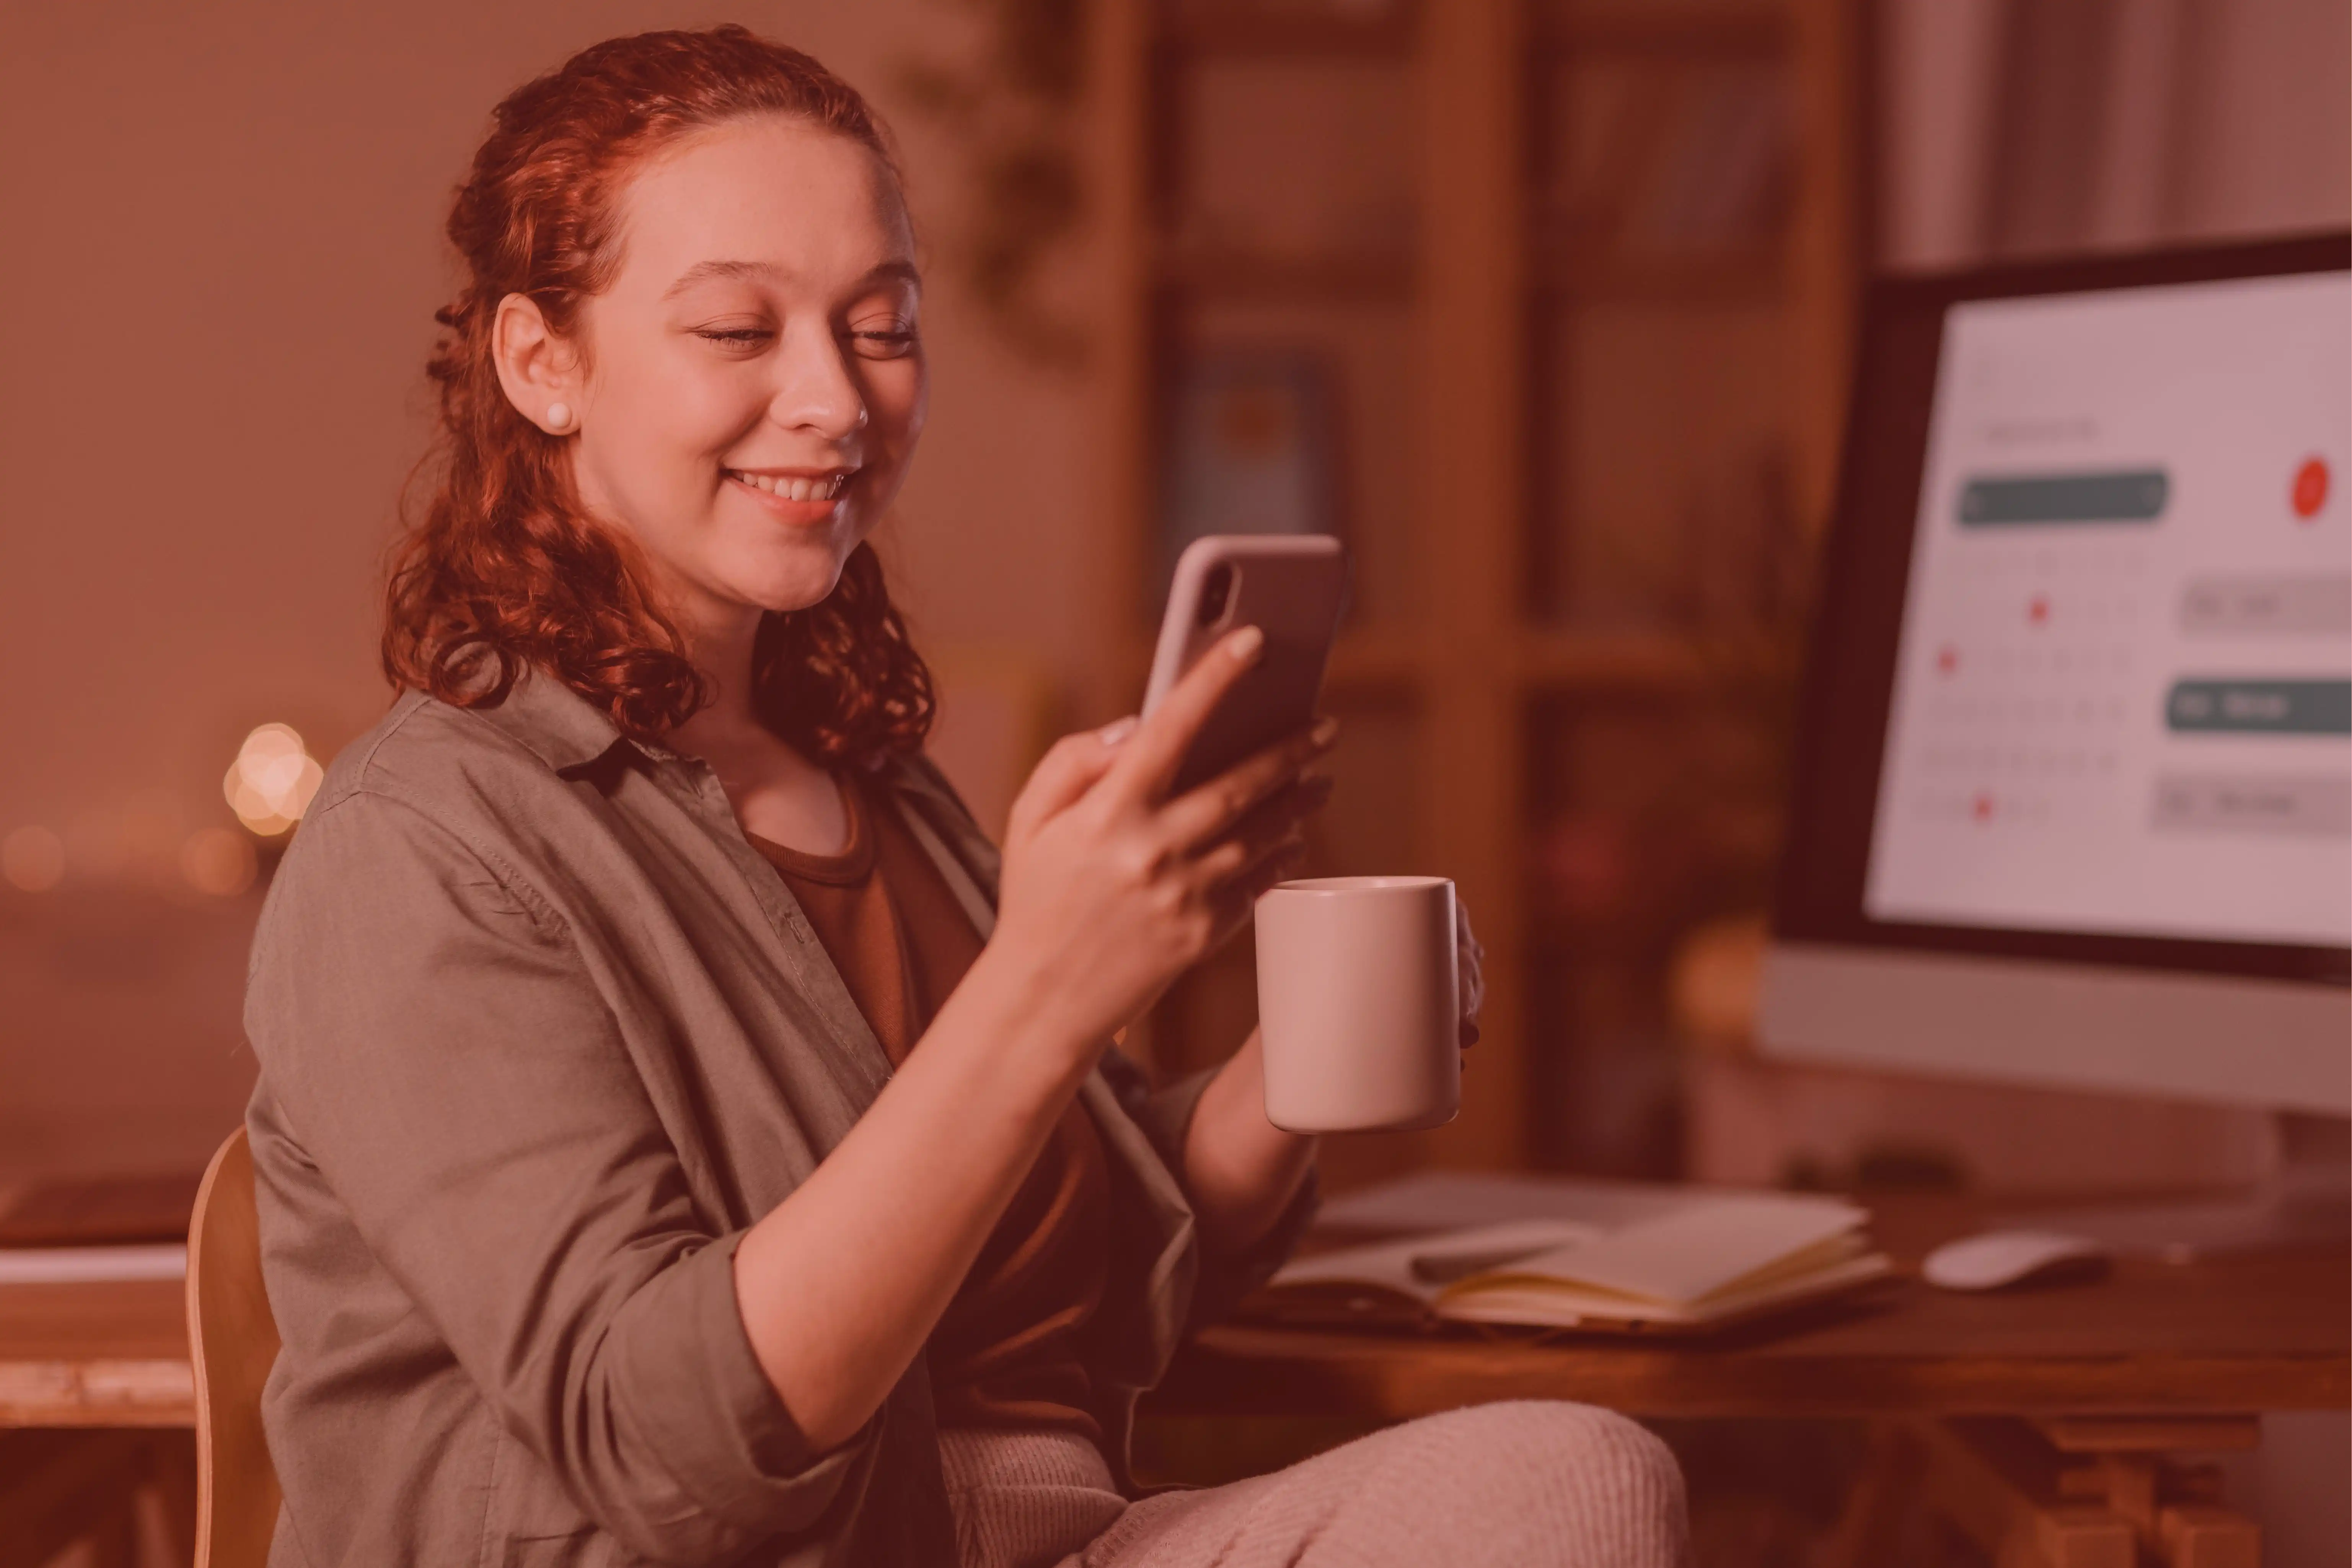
(1449, 202)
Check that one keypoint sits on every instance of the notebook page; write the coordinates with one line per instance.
(1420, 1266)
(1686, 1256)
(1544, 1303)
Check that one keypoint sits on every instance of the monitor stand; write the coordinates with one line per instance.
(2306, 1201)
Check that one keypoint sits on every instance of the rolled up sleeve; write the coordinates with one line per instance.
(445, 1058)
(1165, 1116)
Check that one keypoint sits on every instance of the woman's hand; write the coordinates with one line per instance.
(1469, 958)
(1111, 888)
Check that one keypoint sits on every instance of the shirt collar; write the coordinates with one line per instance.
(556, 724)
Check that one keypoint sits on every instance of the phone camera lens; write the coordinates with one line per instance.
(1215, 595)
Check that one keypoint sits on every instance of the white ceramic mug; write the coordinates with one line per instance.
(1358, 1000)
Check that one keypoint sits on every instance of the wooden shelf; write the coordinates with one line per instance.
(1552, 661)
(1544, 662)
(1758, 275)
(1213, 33)
(1230, 275)
(1734, 32)
(1582, 660)
(1375, 662)
(1456, 687)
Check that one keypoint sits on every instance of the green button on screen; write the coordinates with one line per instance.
(2125, 496)
(2260, 708)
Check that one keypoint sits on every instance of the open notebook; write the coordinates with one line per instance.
(1682, 1260)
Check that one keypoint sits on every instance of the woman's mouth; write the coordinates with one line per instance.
(825, 488)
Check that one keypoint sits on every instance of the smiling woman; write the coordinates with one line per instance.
(635, 262)
(682, 1136)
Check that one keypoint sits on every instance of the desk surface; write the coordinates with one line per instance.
(112, 1354)
(2260, 1331)
(2264, 1332)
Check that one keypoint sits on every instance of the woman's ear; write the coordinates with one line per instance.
(539, 371)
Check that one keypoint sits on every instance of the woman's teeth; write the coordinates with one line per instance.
(794, 487)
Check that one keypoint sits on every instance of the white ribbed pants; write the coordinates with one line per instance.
(1527, 1484)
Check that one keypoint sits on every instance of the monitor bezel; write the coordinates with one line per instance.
(1848, 686)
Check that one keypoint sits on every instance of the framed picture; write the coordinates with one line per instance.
(1252, 447)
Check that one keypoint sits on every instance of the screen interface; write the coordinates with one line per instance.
(2122, 700)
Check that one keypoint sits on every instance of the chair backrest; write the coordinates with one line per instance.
(232, 1341)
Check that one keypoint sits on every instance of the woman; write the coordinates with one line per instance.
(680, 1137)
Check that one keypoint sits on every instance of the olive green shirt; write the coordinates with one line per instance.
(540, 1035)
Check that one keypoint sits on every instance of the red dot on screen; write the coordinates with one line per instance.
(1948, 660)
(1983, 808)
(2038, 609)
(2310, 488)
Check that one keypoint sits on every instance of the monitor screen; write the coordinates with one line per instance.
(2122, 690)
(2083, 686)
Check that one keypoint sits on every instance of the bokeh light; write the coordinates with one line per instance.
(218, 861)
(33, 859)
(271, 783)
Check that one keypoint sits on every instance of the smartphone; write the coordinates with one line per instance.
(1293, 587)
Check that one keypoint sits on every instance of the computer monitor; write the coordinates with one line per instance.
(2074, 783)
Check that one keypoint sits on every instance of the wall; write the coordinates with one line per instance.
(220, 250)
(2015, 126)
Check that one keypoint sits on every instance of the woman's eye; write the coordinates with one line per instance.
(883, 342)
(736, 337)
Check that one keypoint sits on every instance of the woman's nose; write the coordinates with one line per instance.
(817, 388)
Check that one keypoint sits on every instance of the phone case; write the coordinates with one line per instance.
(1293, 587)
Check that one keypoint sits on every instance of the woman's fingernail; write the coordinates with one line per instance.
(1246, 643)
(1324, 728)
(1116, 730)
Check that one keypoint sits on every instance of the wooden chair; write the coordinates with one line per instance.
(232, 1341)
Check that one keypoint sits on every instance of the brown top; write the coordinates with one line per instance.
(1008, 1351)
(540, 1035)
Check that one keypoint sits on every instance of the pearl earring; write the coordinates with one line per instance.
(559, 417)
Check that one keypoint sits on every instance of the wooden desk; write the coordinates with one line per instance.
(2267, 1331)
(2261, 1332)
(2093, 1383)
(2153, 1359)
(113, 1355)
(2255, 1333)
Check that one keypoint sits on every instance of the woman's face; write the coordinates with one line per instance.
(752, 384)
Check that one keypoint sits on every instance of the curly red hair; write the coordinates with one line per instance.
(505, 570)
